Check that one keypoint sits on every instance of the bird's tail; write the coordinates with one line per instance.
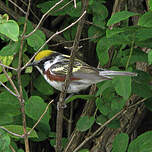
(114, 73)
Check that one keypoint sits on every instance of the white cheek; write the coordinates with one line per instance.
(47, 65)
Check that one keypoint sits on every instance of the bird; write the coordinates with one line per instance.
(54, 66)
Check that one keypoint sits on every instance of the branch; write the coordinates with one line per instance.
(12, 133)
(75, 47)
(40, 117)
(20, 82)
(17, 7)
(9, 90)
(10, 80)
(26, 36)
(8, 67)
(107, 122)
(55, 34)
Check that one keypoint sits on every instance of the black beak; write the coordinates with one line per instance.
(32, 64)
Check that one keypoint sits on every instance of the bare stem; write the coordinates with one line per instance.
(20, 83)
(8, 89)
(17, 7)
(8, 67)
(107, 122)
(59, 124)
(43, 18)
(40, 117)
(55, 34)
(12, 133)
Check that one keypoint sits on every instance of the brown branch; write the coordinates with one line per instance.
(11, 81)
(20, 82)
(55, 34)
(43, 18)
(16, 16)
(107, 122)
(17, 7)
(8, 10)
(40, 117)
(12, 149)
(77, 136)
(8, 67)
(10, 132)
(59, 122)
(8, 89)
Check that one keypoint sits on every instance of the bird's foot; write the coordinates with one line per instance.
(61, 106)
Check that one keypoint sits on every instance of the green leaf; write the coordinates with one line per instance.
(35, 107)
(146, 20)
(98, 21)
(4, 141)
(10, 29)
(104, 107)
(63, 141)
(142, 143)
(120, 16)
(74, 12)
(68, 9)
(102, 51)
(25, 78)
(10, 49)
(150, 57)
(6, 60)
(122, 86)
(36, 40)
(3, 77)
(85, 97)
(19, 130)
(99, 9)
(9, 105)
(120, 143)
(101, 119)
(150, 4)
(42, 86)
(95, 33)
(6, 118)
(148, 104)
(117, 104)
(84, 123)
(137, 88)
(104, 86)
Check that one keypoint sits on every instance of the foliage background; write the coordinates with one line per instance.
(116, 35)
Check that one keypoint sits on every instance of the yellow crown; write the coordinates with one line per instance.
(41, 55)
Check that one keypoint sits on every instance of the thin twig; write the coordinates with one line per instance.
(43, 18)
(11, 81)
(70, 120)
(75, 4)
(8, 89)
(84, 39)
(17, 7)
(40, 117)
(12, 133)
(107, 122)
(75, 47)
(63, 6)
(12, 149)
(20, 82)
(55, 34)
(8, 67)
(30, 9)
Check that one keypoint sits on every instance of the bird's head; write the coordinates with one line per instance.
(42, 57)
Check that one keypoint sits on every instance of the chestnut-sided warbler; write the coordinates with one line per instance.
(54, 66)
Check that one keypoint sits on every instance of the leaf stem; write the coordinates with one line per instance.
(131, 51)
